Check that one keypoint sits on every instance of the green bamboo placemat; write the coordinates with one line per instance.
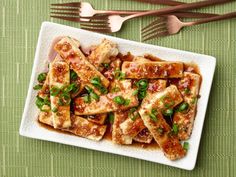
(20, 22)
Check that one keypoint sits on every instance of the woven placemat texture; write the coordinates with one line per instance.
(20, 22)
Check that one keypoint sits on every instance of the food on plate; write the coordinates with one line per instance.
(132, 99)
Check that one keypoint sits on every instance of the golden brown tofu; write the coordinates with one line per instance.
(189, 87)
(106, 103)
(151, 114)
(133, 125)
(102, 53)
(68, 50)
(80, 126)
(117, 135)
(152, 70)
(59, 77)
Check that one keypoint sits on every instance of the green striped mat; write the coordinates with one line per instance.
(20, 22)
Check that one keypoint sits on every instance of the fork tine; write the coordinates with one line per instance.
(65, 9)
(71, 4)
(96, 25)
(156, 35)
(154, 31)
(73, 19)
(158, 20)
(101, 30)
(155, 26)
(66, 13)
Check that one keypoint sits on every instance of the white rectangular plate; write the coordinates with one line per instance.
(30, 127)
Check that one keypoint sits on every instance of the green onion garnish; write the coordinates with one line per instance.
(94, 96)
(106, 65)
(183, 107)
(119, 100)
(96, 82)
(54, 91)
(186, 90)
(73, 75)
(175, 128)
(168, 112)
(115, 89)
(153, 115)
(186, 146)
(111, 117)
(135, 92)
(37, 87)
(133, 114)
(127, 102)
(119, 75)
(42, 77)
(87, 99)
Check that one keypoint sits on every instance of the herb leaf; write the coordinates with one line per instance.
(119, 100)
(73, 75)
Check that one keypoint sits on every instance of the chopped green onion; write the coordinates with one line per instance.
(119, 100)
(54, 109)
(60, 102)
(186, 90)
(153, 115)
(87, 99)
(133, 114)
(142, 94)
(96, 81)
(73, 75)
(39, 102)
(54, 91)
(127, 102)
(115, 89)
(186, 146)
(111, 117)
(37, 87)
(142, 84)
(183, 107)
(175, 128)
(94, 96)
(135, 92)
(160, 130)
(119, 75)
(88, 89)
(42, 77)
(168, 112)
(70, 87)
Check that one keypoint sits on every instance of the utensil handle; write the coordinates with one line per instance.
(182, 14)
(168, 10)
(163, 2)
(211, 19)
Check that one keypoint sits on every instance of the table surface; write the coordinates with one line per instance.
(20, 23)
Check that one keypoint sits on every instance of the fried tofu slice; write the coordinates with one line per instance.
(117, 135)
(102, 53)
(69, 51)
(144, 136)
(59, 77)
(105, 104)
(161, 131)
(80, 126)
(189, 87)
(134, 124)
(152, 70)
(159, 128)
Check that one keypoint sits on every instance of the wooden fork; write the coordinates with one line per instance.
(170, 25)
(113, 23)
(83, 11)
